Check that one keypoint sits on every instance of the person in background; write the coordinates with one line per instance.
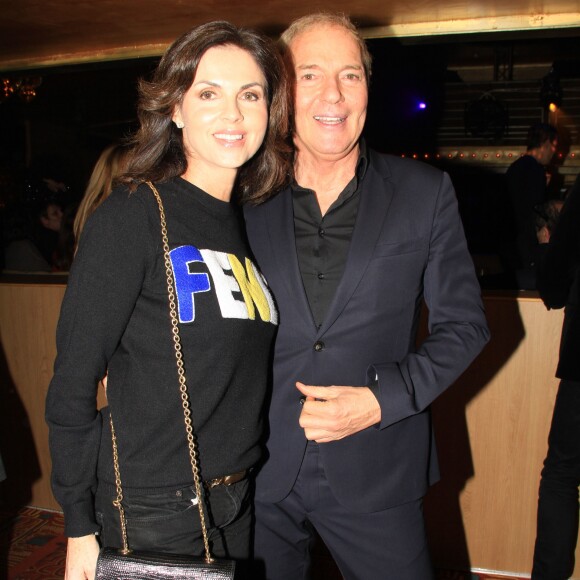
(31, 217)
(108, 168)
(545, 219)
(65, 245)
(213, 126)
(547, 215)
(21, 251)
(2, 470)
(559, 287)
(48, 214)
(350, 250)
(527, 182)
(3, 476)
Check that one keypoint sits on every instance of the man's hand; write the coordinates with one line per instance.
(543, 235)
(331, 413)
(81, 558)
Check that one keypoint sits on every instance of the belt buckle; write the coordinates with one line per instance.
(214, 482)
(230, 479)
(226, 480)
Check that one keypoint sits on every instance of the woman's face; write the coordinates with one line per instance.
(224, 114)
(52, 217)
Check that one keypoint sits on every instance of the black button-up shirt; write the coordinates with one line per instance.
(322, 242)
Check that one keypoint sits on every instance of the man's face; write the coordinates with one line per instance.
(547, 151)
(331, 92)
(52, 217)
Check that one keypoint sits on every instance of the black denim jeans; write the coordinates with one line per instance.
(170, 522)
(557, 530)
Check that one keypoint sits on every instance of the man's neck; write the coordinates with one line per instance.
(536, 154)
(327, 178)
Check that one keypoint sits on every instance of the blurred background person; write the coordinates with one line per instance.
(107, 170)
(527, 186)
(545, 217)
(47, 223)
(65, 244)
(21, 252)
(109, 166)
(559, 287)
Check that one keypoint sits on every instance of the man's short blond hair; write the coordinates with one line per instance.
(339, 19)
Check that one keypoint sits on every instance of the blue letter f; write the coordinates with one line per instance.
(187, 284)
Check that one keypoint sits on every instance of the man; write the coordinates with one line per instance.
(350, 250)
(527, 183)
(545, 218)
(559, 286)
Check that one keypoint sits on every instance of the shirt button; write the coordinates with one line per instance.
(318, 346)
(321, 232)
(321, 276)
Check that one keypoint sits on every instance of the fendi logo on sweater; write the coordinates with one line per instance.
(230, 278)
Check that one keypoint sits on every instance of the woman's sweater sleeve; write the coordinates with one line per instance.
(104, 285)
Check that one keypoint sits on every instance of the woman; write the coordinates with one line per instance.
(107, 169)
(106, 172)
(212, 120)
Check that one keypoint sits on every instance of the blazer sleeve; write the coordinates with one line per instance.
(557, 269)
(457, 326)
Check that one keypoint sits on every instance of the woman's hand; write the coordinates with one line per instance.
(81, 558)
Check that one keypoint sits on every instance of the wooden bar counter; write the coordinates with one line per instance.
(29, 310)
(491, 425)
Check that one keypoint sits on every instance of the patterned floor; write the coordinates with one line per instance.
(32, 547)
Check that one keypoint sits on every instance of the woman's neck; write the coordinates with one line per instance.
(218, 183)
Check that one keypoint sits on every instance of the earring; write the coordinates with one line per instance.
(179, 124)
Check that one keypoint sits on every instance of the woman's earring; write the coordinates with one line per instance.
(179, 124)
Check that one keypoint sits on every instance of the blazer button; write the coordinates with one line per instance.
(318, 346)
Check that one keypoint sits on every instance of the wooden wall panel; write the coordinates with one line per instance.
(28, 317)
(491, 426)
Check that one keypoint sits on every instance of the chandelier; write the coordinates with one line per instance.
(24, 87)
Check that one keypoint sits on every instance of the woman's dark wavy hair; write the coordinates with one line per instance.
(157, 146)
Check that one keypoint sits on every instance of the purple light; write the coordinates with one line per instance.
(422, 105)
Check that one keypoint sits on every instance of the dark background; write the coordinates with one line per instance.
(78, 110)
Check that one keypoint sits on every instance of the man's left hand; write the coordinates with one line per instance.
(332, 413)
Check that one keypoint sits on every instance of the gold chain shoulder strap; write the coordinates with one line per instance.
(193, 451)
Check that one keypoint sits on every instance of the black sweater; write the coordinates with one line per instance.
(115, 320)
(526, 181)
(559, 282)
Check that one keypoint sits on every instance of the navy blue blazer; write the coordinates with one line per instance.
(407, 246)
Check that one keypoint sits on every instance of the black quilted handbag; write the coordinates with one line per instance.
(114, 565)
(124, 564)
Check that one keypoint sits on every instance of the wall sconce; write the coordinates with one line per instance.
(551, 93)
(24, 87)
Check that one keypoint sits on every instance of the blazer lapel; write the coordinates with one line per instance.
(280, 223)
(374, 203)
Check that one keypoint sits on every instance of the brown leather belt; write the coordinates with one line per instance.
(227, 479)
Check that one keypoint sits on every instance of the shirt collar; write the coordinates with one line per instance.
(352, 185)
